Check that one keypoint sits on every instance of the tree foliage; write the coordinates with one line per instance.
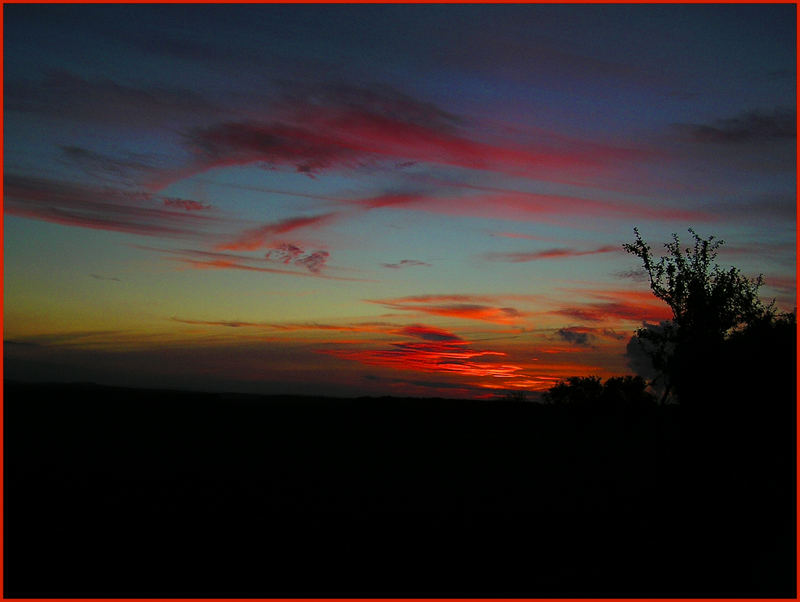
(706, 301)
(708, 306)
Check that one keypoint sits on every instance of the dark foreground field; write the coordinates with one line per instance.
(118, 492)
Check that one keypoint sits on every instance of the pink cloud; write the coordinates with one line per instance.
(324, 137)
(549, 254)
(187, 205)
(405, 263)
(284, 253)
(225, 264)
(483, 202)
(616, 305)
(287, 253)
(314, 261)
(100, 209)
(318, 128)
(518, 235)
(257, 238)
(212, 260)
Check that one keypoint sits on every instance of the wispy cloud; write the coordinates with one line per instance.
(430, 333)
(287, 253)
(616, 305)
(749, 127)
(430, 356)
(455, 306)
(374, 327)
(588, 336)
(313, 261)
(213, 260)
(65, 95)
(262, 236)
(226, 323)
(443, 352)
(636, 275)
(549, 254)
(284, 253)
(405, 263)
(575, 336)
(518, 235)
(186, 204)
(332, 126)
(111, 278)
(102, 209)
(514, 205)
(128, 168)
(371, 327)
(223, 264)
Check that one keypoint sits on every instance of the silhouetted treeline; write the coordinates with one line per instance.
(115, 492)
(621, 394)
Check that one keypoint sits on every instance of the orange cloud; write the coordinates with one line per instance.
(465, 307)
(429, 333)
(626, 305)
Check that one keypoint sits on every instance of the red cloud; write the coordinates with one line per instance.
(432, 357)
(488, 369)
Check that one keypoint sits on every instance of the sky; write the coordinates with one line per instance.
(410, 200)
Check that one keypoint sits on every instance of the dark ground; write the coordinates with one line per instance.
(118, 492)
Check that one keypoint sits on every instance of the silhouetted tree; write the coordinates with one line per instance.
(589, 392)
(626, 392)
(708, 305)
(575, 391)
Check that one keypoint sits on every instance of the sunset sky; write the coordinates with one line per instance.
(378, 199)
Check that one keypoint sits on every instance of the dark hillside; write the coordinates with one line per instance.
(119, 492)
